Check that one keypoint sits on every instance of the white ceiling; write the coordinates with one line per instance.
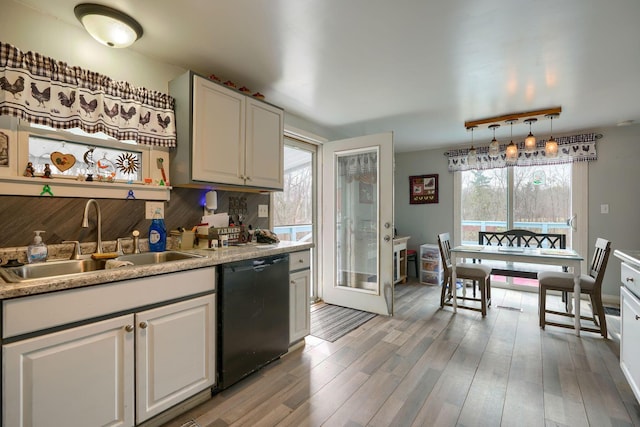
(419, 68)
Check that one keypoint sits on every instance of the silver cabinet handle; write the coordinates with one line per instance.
(629, 279)
(143, 325)
(128, 328)
(387, 238)
(637, 317)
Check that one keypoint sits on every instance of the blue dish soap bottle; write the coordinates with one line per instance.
(37, 251)
(157, 233)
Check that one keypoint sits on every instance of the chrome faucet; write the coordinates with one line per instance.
(85, 221)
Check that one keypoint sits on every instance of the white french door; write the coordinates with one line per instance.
(357, 218)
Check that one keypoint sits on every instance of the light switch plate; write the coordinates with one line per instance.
(150, 209)
(263, 211)
(604, 209)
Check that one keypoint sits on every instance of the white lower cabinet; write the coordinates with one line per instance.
(175, 354)
(630, 339)
(299, 309)
(299, 288)
(117, 372)
(77, 377)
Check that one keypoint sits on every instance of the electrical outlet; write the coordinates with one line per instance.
(150, 209)
(263, 211)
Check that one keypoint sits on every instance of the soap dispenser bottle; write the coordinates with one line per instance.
(157, 233)
(37, 251)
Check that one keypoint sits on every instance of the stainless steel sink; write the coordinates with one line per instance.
(29, 272)
(147, 258)
(51, 269)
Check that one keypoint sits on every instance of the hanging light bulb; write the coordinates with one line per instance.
(511, 150)
(494, 146)
(530, 140)
(551, 147)
(472, 155)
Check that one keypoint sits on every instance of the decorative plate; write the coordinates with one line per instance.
(62, 161)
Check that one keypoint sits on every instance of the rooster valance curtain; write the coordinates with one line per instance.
(45, 91)
(574, 148)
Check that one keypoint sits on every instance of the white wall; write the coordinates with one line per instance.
(613, 180)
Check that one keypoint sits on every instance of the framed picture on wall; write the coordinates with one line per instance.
(423, 189)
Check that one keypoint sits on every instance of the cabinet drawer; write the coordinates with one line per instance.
(630, 278)
(299, 260)
(39, 312)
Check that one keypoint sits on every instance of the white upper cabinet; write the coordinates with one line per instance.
(225, 137)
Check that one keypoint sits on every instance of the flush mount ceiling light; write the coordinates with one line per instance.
(530, 140)
(107, 25)
(512, 149)
(472, 155)
(551, 147)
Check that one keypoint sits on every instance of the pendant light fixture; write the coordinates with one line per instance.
(494, 146)
(551, 147)
(472, 155)
(107, 25)
(530, 140)
(512, 149)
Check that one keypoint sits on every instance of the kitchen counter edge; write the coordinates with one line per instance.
(631, 256)
(209, 258)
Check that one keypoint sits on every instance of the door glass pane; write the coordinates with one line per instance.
(484, 202)
(541, 203)
(292, 207)
(357, 220)
(542, 199)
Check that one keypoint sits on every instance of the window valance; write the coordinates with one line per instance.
(361, 167)
(45, 91)
(574, 148)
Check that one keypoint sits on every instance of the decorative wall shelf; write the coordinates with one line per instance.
(60, 187)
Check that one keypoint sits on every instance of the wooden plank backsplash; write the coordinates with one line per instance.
(61, 218)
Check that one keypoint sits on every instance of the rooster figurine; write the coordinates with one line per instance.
(16, 88)
(40, 96)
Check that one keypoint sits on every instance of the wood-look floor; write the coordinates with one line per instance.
(429, 367)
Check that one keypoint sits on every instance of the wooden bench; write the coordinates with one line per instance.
(521, 238)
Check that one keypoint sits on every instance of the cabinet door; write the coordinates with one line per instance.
(218, 133)
(299, 309)
(175, 354)
(264, 162)
(76, 377)
(630, 339)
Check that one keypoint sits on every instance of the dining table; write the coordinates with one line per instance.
(547, 256)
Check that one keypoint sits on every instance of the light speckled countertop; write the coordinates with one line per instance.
(209, 258)
(632, 256)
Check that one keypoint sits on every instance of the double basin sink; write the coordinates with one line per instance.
(49, 269)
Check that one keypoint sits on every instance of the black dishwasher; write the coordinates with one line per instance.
(253, 316)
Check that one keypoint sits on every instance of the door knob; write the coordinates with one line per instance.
(143, 325)
(128, 328)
